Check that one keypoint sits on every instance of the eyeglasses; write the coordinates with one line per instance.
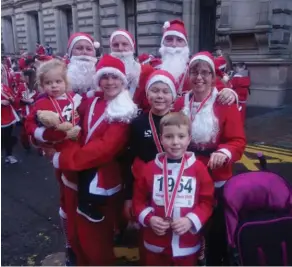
(203, 73)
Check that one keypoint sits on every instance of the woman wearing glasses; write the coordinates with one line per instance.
(218, 140)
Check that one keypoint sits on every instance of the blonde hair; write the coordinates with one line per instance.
(52, 64)
(175, 119)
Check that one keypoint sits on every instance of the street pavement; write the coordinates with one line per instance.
(30, 197)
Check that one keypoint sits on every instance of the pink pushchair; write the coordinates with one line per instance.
(258, 214)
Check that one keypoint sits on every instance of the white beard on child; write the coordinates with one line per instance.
(133, 68)
(174, 60)
(80, 73)
(205, 126)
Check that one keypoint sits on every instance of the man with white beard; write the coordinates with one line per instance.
(122, 46)
(175, 55)
(81, 68)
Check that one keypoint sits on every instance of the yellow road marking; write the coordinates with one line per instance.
(132, 254)
(270, 154)
(248, 163)
(274, 150)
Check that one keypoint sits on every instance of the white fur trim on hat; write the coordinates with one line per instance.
(114, 34)
(76, 39)
(108, 70)
(175, 33)
(163, 79)
(204, 58)
(222, 67)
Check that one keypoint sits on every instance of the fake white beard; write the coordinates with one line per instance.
(80, 73)
(133, 68)
(174, 60)
(205, 126)
(121, 108)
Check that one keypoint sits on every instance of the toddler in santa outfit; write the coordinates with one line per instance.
(173, 198)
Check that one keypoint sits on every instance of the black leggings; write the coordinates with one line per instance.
(216, 239)
(8, 140)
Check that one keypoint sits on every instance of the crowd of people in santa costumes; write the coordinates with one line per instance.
(85, 116)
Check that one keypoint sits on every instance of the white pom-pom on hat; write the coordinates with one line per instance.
(166, 25)
(96, 45)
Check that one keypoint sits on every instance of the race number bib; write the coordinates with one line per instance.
(185, 197)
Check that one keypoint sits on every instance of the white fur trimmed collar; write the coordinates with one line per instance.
(121, 108)
(191, 159)
(187, 97)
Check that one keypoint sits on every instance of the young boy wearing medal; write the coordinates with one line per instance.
(173, 198)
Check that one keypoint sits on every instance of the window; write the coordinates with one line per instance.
(131, 18)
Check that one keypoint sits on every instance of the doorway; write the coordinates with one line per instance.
(207, 29)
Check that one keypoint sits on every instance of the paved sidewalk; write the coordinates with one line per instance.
(273, 128)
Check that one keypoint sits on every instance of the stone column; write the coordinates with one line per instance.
(96, 21)
(41, 26)
(75, 18)
(28, 29)
(58, 29)
(14, 29)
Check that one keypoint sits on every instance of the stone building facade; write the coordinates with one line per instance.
(258, 32)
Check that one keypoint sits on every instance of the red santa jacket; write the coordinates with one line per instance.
(24, 94)
(139, 96)
(104, 136)
(8, 114)
(45, 135)
(229, 135)
(241, 84)
(194, 200)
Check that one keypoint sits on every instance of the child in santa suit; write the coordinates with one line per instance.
(173, 198)
(46, 132)
(241, 83)
(105, 134)
(9, 118)
(25, 99)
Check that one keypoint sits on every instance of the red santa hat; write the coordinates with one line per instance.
(44, 58)
(145, 58)
(77, 36)
(220, 63)
(175, 27)
(156, 63)
(109, 65)
(164, 77)
(126, 34)
(204, 56)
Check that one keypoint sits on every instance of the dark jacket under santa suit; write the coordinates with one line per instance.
(50, 136)
(230, 138)
(104, 136)
(195, 202)
(8, 113)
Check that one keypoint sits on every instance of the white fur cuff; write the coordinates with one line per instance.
(38, 134)
(196, 222)
(55, 160)
(226, 152)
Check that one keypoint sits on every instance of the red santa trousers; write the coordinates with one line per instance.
(96, 239)
(166, 259)
(70, 203)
